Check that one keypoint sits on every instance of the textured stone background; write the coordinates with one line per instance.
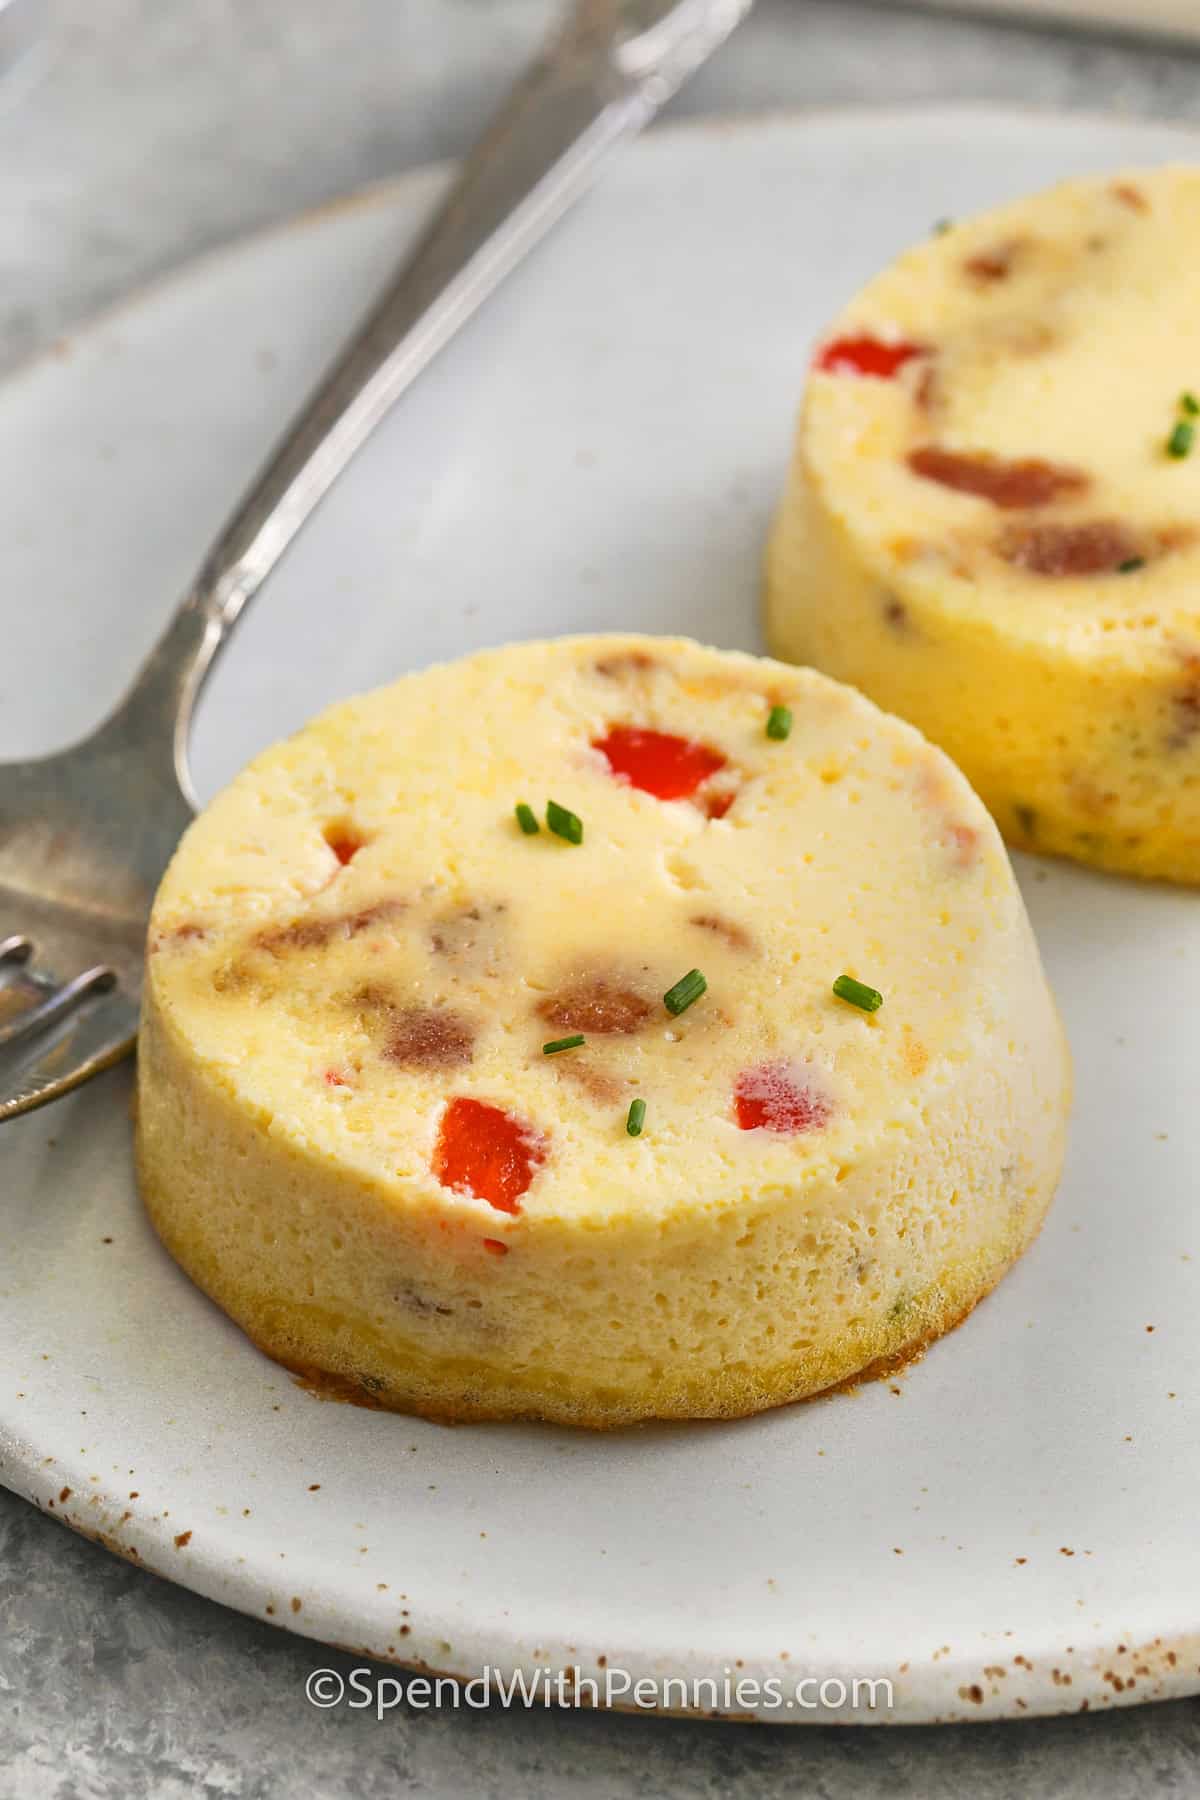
(156, 129)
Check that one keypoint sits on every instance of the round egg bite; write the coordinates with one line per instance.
(393, 1039)
(992, 519)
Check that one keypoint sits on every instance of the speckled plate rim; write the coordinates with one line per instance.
(946, 1692)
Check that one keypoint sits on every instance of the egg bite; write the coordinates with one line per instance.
(991, 522)
(596, 1030)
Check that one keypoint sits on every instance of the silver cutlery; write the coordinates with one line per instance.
(86, 834)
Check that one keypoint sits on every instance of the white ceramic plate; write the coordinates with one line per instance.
(1010, 1528)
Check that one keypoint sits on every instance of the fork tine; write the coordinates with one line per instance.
(66, 1055)
(15, 949)
(56, 1004)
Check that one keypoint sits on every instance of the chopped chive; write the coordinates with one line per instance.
(637, 1118)
(685, 992)
(868, 998)
(779, 723)
(1179, 444)
(1130, 564)
(527, 819)
(942, 226)
(557, 1044)
(564, 824)
(1189, 404)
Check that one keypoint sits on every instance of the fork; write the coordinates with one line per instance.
(86, 834)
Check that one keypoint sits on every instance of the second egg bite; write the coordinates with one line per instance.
(992, 519)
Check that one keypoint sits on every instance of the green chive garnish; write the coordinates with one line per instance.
(564, 824)
(557, 1044)
(779, 723)
(637, 1118)
(868, 998)
(1179, 444)
(527, 820)
(685, 992)
(942, 226)
(1189, 404)
(1130, 564)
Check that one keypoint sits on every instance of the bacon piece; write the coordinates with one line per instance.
(485, 1151)
(425, 1037)
(735, 935)
(1187, 719)
(865, 355)
(1130, 196)
(597, 1006)
(367, 916)
(1095, 547)
(994, 264)
(658, 762)
(234, 977)
(928, 390)
(314, 933)
(1185, 701)
(599, 1086)
(778, 1096)
(625, 662)
(413, 1036)
(297, 934)
(334, 1079)
(495, 1246)
(1012, 485)
(190, 931)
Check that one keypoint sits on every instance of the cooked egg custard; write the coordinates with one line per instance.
(992, 521)
(351, 1132)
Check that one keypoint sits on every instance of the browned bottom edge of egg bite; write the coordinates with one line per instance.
(332, 1360)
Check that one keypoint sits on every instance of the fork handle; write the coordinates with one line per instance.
(598, 82)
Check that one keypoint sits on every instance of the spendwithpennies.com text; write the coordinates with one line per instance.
(367, 1690)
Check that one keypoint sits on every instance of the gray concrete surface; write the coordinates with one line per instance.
(161, 127)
